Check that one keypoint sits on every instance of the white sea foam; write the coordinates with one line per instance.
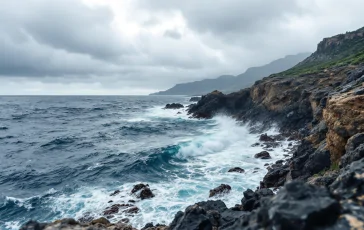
(209, 157)
(224, 145)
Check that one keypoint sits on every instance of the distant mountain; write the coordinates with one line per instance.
(229, 83)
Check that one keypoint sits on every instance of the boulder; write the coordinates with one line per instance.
(266, 138)
(263, 155)
(275, 177)
(237, 169)
(174, 106)
(222, 189)
(251, 199)
(142, 191)
(205, 216)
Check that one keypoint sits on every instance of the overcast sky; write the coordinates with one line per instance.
(143, 46)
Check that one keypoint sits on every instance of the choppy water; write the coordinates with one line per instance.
(63, 156)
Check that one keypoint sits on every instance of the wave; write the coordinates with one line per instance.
(58, 142)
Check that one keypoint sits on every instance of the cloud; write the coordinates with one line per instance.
(141, 46)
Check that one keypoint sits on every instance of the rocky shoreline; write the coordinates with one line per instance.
(320, 187)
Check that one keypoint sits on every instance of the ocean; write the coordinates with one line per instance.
(62, 156)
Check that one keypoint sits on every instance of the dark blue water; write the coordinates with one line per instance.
(63, 156)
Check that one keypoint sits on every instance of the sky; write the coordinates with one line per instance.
(136, 47)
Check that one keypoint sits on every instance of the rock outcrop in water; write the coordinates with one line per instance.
(321, 103)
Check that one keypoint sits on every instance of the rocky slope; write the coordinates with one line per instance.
(229, 83)
(322, 185)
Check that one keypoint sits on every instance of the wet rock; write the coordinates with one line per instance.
(115, 193)
(33, 225)
(237, 169)
(195, 99)
(86, 218)
(251, 199)
(101, 220)
(112, 210)
(222, 189)
(255, 145)
(263, 155)
(275, 177)
(142, 191)
(266, 164)
(131, 201)
(110, 201)
(266, 138)
(174, 106)
(179, 113)
(132, 210)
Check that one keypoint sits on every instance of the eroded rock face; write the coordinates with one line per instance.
(220, 190)
(344, 116)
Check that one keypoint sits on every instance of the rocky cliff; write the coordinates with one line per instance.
(319, 103)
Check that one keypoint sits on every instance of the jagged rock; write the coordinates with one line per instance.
(174, 106)
(255, 145)
(266, 138)
(142, 191)
(325, 180)
(115, 193)
(354, 150)
(296, 206)
(132, 210)
(222, 189)
(194, 99)
(263, 155)
(101, 220)
(86, 218)
(275, 177)
(237, 169)
(251, 199)
(204, 215)
(318, 160)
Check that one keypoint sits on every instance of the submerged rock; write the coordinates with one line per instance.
(266, 138)
(222, 189)
(263, 155)
(174, 106)
(237, 169)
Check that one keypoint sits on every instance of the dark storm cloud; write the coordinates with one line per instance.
(228, 16)
(150, 45)
(57, 38)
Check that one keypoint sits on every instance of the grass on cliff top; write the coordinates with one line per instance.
(350, 53)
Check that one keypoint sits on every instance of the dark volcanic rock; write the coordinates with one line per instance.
(33, 225)
(266, 138)
(275, 177)
(174, 106)
(222, 189)
(354, 150)
(318, 160)
(194, 99)
(263, 155)
(205, 216)
(237, 169)
(115, 193)
(251, 199)
(142, 191)
(296, 206)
